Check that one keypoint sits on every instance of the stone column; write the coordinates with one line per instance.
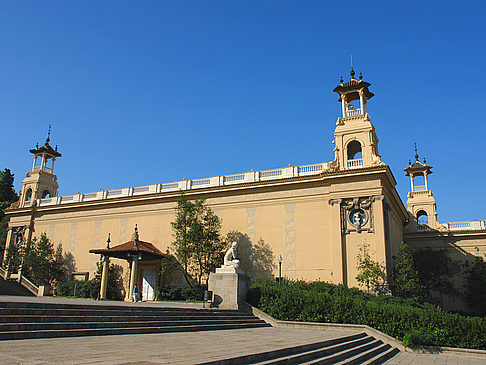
(104, 277)
(8, 242)
(133, 276)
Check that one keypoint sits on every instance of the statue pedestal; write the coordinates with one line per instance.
(229, 287)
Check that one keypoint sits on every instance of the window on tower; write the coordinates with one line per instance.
(28, 195)
(354, 150)
(422, 217)
(46, 194)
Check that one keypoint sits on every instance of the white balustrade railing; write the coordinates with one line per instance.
(200, 182)
(355, 164)
(311, 169)
(270, 174)
(419, 188)
(423, 228)
(45, 168)
(251, 176)
(353, 112)
(465, 226)
(228, 179)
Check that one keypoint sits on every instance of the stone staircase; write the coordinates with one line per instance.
(12, 287)
(23, 320)
(354, 349)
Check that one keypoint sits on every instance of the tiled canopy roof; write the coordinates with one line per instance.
(45, 149)
(417, 166)
(130, 248)
(350, 89)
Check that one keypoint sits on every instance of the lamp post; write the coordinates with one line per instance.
(280, 270)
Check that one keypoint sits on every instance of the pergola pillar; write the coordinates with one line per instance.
(104, 277)
(133, 275)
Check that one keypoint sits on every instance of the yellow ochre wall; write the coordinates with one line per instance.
(294, 217)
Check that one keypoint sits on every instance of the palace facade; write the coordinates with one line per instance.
(316, 217)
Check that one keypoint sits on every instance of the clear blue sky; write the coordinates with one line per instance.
(156, 91)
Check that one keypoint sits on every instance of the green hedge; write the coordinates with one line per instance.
(188, 294)
(413, 324)
(84, 289)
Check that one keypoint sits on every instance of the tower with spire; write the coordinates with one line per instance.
(356, 143)
(421, 203)
(40, 182)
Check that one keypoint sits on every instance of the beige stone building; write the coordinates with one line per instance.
(316, 217)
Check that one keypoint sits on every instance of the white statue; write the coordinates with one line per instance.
(230, 260)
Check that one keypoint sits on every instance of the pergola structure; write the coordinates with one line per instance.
(132, 251)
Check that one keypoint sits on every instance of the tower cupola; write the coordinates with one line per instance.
(41, 182)
(356, 143)
(421, 203)
(351, 91)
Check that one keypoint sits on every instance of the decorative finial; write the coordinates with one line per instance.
(48, 135)
(108, 241)
(409, 162)
(360, 76)
(341, 81)
(352, 73)
(416, 154)
(37, 145)
(136, 237)
(425, 161)
(56, 148)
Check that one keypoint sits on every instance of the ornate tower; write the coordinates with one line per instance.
(356, 143)
(421, 202)
(40, 182)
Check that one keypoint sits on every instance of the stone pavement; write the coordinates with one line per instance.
(184, 348)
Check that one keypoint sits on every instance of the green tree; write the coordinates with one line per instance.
(197, 245)
(405, 276)
(436, 270)
(7, 197)
(370, 272)
(7, 192)
(184, 227)
(208, 245)
(475, 288)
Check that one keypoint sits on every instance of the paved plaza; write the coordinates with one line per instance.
(184, 347)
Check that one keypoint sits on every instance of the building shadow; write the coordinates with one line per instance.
(256, 258)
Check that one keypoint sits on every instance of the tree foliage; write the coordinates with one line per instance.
(7, 197)
(197, 243)
(405, 276)
(45, 264)
(370, 272)
(475, 289)
(436, 271)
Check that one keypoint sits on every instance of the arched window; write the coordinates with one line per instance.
(422, 217)
(46, 194)
(354, 150)
(28, 195)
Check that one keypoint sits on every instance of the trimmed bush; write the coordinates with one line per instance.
(412, 323)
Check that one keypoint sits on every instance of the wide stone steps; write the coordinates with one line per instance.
(353, 349)
(22, 320)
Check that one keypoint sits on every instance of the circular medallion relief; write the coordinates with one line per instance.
(358, 217)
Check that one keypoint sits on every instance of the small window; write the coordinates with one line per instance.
(28, 196)
(46, 194)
